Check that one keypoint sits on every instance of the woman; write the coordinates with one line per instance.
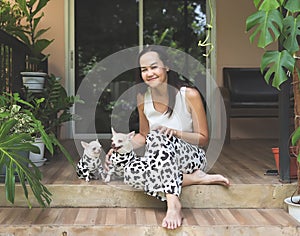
(173, 126)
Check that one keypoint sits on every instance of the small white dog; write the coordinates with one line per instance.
(90, 164)
(123, 153)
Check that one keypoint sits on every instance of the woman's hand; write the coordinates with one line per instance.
(168, 131)
(107, 161)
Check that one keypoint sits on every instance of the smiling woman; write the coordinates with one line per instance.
(102, 29)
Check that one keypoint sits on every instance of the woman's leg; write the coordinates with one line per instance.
(199, 177)
(173, 218)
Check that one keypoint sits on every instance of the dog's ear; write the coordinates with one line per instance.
(84, 144)
(131, 134)
(113, 131)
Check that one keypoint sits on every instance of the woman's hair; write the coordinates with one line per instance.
(174, 81)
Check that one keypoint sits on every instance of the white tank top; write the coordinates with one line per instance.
(181, 118)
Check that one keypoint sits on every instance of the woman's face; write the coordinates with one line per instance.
(153, 70)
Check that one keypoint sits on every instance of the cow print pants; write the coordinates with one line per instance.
(161, 170)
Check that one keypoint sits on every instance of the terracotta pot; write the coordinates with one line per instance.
(293, 161)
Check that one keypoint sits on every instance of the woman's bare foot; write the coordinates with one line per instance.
(173, 218)
(203, 178)
(199, 177)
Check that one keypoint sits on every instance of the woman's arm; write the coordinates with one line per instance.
(139, 139)
(196, 108)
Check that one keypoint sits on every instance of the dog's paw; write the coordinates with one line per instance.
(102, 176)
(107, 179)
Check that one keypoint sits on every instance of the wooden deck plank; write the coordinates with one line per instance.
(188, 217)
(121, 216)
(240, 217)
(130, 216)
(150, 216)
(201, 217)
(144, 216)
(86, 216)
(48, 215)
(8, 215)
(28, 217)
(227, 216)
(101, 216)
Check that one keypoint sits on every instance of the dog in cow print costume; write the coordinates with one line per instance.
(90, 164)
(122, 154)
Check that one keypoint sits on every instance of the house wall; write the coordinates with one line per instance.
(233, 49)
(54, 17)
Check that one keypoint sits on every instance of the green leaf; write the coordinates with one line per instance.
(268, 26)
(6, 127)
(36, 21)
(293, 6)
(64, 151)
(291, 32)
(268, 5)
(41, 44)
(41, 32)
(279, 63)
(18, 99)
(23, 37)
(296, 136)
(23, 6)
(10, 182)
(41, 5)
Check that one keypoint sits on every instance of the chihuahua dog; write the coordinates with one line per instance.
(90, 164)
(122, 153)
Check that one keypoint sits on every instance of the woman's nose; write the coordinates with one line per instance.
(149, 72)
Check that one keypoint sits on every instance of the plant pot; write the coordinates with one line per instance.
(38, 158)
(34, 81)
(293, 161)
(293, 208)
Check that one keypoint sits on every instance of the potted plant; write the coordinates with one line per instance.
(29, 32)
(279, 21)
(16, 129)
(17, 121)
(52, 106)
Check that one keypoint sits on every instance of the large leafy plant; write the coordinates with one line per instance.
(11, 144)
(279, 21)
(14, 138)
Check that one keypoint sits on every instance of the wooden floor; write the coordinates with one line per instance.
(141, 221)
(242, 161)
(142, 216)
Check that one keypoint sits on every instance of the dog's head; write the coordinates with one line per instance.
(120, 142)
(92, 149)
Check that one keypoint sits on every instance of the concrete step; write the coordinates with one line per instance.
(116, 194)
(144, 221)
